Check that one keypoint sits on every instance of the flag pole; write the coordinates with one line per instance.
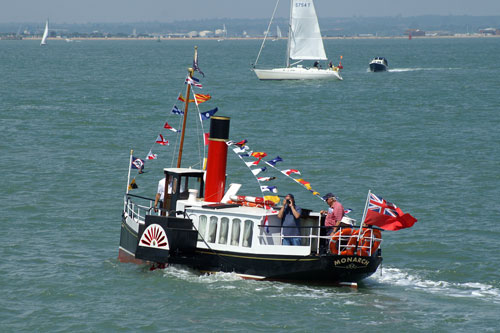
(364, 214)
(188, 92)
(129, 167)
(366, 206)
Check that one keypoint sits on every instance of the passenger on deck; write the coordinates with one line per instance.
(290, 220)
(316, 64)
(334, 214)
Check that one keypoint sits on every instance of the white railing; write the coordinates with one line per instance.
(345, 243)
(136, 211)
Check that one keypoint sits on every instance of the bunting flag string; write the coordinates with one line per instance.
(161, 140)
(242, 150)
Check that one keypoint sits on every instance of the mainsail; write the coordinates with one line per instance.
(305, 41)
(45, 33)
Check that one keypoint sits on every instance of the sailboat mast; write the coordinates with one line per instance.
(289, 36)
(188, 92)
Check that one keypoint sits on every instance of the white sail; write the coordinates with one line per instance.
(305, 36)
(278, 32)
(45, 33)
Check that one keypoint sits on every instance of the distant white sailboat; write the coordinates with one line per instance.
(224, 34)
(278, 33)
(304, 43)
(45, 33)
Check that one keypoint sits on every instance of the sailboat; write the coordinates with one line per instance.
(304, 43)
(278, 33)
(45, 33)
(205, 226)
(224, 33)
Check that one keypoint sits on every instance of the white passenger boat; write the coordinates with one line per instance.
(208, 226)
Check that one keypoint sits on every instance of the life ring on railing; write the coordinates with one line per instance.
(248, 204)
(339, 236)
(369, 242)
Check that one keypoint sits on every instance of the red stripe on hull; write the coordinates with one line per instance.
(127, 258)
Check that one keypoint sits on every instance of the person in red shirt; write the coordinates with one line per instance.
(334, 214)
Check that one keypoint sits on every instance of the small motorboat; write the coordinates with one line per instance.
(378, 64)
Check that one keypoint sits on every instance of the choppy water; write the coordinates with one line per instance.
(424, 135)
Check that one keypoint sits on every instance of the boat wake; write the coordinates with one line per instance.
(398, 277)
(399, 70)
(185, 274)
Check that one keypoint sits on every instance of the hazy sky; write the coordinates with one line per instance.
(81, 11)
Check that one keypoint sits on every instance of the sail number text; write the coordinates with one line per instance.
(302, 4)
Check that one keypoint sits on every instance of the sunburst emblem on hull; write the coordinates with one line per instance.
(154, 236)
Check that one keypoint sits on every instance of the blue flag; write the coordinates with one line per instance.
(207, 114)
(274, 161)
(137, 163)
(273, 189)
(176, 110)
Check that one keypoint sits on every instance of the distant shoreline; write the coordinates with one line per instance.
(258, 38)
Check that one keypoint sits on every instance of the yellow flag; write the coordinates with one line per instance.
(273, 198)
(132, 185)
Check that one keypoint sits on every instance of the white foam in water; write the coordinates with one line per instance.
(395, 276)
(192, 276)
(397, 70)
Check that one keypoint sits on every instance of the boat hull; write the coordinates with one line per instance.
(377, 67)
(323, 268)
(297, 73)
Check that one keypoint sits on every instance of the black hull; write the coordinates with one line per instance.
(378, 68)
(325, 268)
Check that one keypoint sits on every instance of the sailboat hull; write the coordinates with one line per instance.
(297, 73)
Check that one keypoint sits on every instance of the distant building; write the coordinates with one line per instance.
(415, 32)
(490, 31)
(206, 33)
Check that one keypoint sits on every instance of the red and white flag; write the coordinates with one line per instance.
(152, 156)
(288, 172)
(386, 215)
(161, 140)
(167, 126)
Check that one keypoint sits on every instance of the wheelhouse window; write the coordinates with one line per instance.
(212, 229)
(247, 233)
(224, 226)
(235, 232)
(202, 227)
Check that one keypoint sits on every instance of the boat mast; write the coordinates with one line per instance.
(188, 92)
(289, 36)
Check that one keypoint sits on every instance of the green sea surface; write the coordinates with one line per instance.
(424, 135)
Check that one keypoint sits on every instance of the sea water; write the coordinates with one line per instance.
(424, 135)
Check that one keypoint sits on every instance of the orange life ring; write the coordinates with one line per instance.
(342, 235)
(249, 204)
(369, 242)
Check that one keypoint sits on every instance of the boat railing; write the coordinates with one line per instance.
(138, 211)
(346, 242)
